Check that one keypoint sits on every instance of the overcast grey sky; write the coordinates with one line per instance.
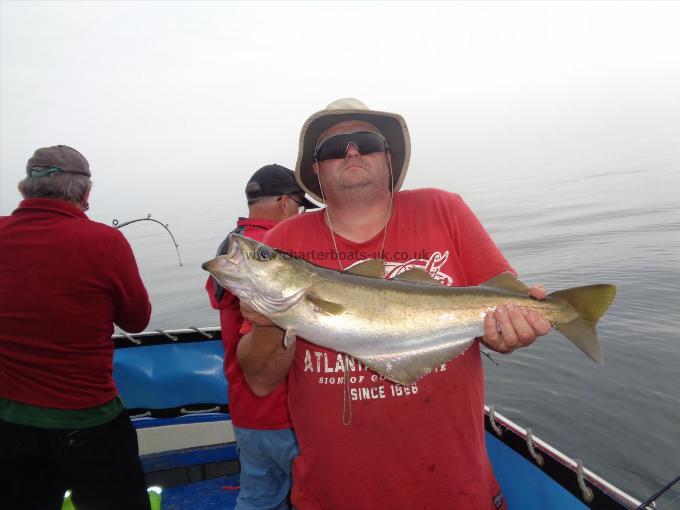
(175, 102)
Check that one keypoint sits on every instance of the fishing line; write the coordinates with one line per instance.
(488, 356)
(149, 218)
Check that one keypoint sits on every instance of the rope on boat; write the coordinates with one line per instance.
(167, 335)
(207, 335)
(184, 410)
(149, 218)
(142, 415)
(210, 335)
(650, 502)
(131, 338)
(492, 421)
(530, 444)
(586, 491)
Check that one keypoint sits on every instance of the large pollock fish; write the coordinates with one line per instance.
(401, 328)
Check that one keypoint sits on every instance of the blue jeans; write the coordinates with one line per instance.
(266, 458)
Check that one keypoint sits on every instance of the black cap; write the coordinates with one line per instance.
(274, 181)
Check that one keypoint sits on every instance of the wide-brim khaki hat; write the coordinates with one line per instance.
(391, 125)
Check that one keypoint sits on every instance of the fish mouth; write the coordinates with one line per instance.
(227, 265)
(221, 268)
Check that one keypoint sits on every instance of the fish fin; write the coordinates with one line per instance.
(408, 369)
(417, 275)
(583, 336)
(289, 338)
(374, 268)
(591, 302)
(507, 281)
(326, 307)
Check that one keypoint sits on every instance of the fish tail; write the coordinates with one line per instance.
(591, 302)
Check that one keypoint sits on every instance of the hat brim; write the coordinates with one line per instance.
(391, 125)
(309, 204)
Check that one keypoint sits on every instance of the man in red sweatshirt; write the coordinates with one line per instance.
(267, 444)
(65, 281)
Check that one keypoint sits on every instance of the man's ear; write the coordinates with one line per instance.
(315, 167)
(84, 203)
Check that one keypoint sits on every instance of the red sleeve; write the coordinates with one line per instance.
(228, 299)
(131, 301)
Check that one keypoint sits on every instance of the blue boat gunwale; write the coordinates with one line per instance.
(567, 472)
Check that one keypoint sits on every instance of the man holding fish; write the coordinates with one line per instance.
(375, 428)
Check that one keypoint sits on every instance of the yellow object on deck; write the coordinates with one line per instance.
(154, 499)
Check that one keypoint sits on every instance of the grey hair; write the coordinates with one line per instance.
(61, 185)
(261, 200)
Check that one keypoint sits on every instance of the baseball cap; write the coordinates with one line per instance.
(62, 157)
(273, 181)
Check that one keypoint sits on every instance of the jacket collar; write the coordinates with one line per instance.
(251, 222)
(49, 205)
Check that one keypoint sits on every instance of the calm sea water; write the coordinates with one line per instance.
(590, 219)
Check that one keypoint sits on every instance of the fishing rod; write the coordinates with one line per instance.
(116, 225)
(650, 503)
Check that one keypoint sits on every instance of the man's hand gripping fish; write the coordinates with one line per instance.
(401, 328)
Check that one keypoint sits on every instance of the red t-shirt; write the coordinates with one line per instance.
(418, 446)
(65, 281)
(247, 409)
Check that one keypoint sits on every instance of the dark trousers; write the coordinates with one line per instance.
(100, 465)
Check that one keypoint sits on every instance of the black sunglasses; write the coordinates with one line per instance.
(335, 147)
(301, 207)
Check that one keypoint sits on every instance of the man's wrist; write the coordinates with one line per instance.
(265, 325)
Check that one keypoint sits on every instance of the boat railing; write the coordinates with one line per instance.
(584, 484)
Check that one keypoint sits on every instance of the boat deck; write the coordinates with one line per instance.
(216, 494)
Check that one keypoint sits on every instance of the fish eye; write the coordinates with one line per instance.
(264, 253)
